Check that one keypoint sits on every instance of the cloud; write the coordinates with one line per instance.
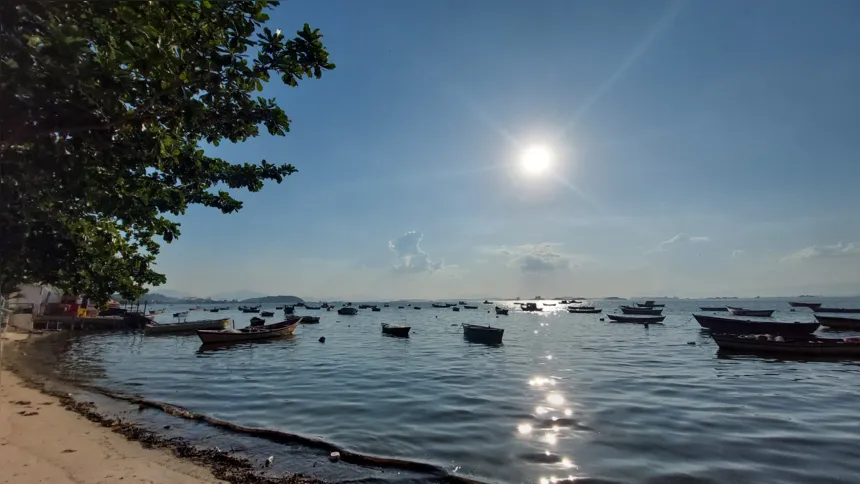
(738, 252)
(825, 251)
(410, 257)
(681, 238)
(532, 258)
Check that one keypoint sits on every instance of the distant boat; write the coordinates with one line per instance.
(255, 321)
(347, 311)
(364, 306)
(801, 304)
(396, 330)
(502, 311)
(530, 307)
(470, 307)
(455, 308)
(641, 311)
(375, 309)
(416, 307)
(156, 328)
(267, 314)
(549, 304)
(250, 309)
(717, 324)
(385, 305)
(214, 310)
(268, 331)
(837, 310)
(439, 305)
(312, 308)
(305, 319)
(715, 309)
(805, 345)
(583, 310)
(838, 322)
(650, 304)
(180, 314)
(759, 313)
(279, 307)
(580, 307)
(487, 302)
(289, 310)
(483, 334)
(400, 307)
(462, 303)
(619, 318)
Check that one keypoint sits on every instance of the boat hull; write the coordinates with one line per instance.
(714, 309)
(502, 312)
(271, 331)
(618, 318)
(483, 334)
(756, 313)
(347, 311)
(398, 331)
(808, 346)
(641, 311)
(836, 322)
(185, 327)
(584, 311)
(798, 304)
(741, 326)
(838, 310)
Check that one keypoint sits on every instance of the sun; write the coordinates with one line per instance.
(536, 159)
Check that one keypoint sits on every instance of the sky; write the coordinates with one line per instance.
(696, 148)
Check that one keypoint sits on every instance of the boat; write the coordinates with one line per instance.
(268, 331)
(759, 313)
(289, 310)
(180, 314)
(396, 330)
(255, 321)
(487, 302)
(584, 310)
(470, 307)
(549, 304)
(312, 308)
(438, 305)
(837, 310)
(714, 309)
(483, 334)
(461, 303)
(801, 304)
(804, 345)
(580, 307)
(641, 311)
(251, 310)
(198, 308)
(364, 306)
(267, 314)
(455, 308)
(650, 304)
(279, 307)
(385, 305)
(305, 319)
(416, 307)
(718, 324)
(838, 322)
(157, 328)
(619, 318)
(502, 311)
(347, 311)
(214, 310)
(375, 309)
(530, 307)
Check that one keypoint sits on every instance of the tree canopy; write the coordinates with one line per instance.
(104, 109)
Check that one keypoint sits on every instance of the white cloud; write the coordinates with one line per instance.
(825, 251)
(410, 257)
(543, 257)
(681, 238)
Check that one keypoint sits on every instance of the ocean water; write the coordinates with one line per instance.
(565, 396)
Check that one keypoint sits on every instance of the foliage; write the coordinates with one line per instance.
(105, 106)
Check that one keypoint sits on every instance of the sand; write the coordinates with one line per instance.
(41, 442)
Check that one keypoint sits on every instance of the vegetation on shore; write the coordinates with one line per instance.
(106, 109)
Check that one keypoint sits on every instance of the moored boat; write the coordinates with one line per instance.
(157, 328)
(650, 304)
(531, 307)
(809, 345)
(267, 314)
(743, 326)
(252, 333)
(289, 309)
(487, 302)
(396, 330)
(483, 334)
(549, 304)
(439, 305)
(758, 313)
(838, 322)
(801, 304)
(584, 310)
(641, 311)
(620, 318)
(416, 307)
(470, 307)
(251, 310)
(305, 319)
(502, 311)
(312, 308)
(347, 311)
(255, 321)
(180, 314)
(375, 309)
(837, 310)
(455, 308)
(714, 309)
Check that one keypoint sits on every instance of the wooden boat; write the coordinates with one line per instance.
(313, 308)
(483, 334)
(267, 314)
(289, 309)
(180, 314)
(470, 307)
(375, 309)
(251, 310)
(714, 309)
(580, 307)
(837, 310)
(255, 321)
(214, 310)
(838, 322)
(801, 304)
(759, 313)
(438, 305)
(502, 311)
(531, 307)
(641, 311)
(252, 333)
(584, 310)
(619, 318)
(808, 345)
(396, 330)
(156, 328)
(718, 324)
(346, 311)
(455, 308)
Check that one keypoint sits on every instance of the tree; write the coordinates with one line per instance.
(105, 106)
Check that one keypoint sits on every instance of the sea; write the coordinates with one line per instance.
(566, 397)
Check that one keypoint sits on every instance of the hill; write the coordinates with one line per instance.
(273, 299)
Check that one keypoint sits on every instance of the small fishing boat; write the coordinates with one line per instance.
(487, 302)
(483, 334)
(801, 304)
(396, 330)
(225, 309)
(455, 308)
(267, 314)
(375, 309)
(650, 304)
(502, 311)
(837, 310)
(180, 314)
(289, 310)
(531, 307)
(470, 307)
(584, 310)
(416, 307)
(250, 310)
(347, 311)
(438, 305)
(157, 328)
(838, 322)
(279, 307)
(312, 308)
(619, 318)
(198, 308)
(462, 303)
(718, 324)
(804, 345)
(252, 333)
(401, 307)
(641, 311)
(255, 321)
(214, 310)
(364, 306)
(714, 309)
(580, 307)
(759, 313)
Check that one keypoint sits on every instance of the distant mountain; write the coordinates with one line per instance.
(237, 295)
(273, 299)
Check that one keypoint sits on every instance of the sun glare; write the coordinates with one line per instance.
(536, 159)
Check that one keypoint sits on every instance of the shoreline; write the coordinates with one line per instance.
(49, 436)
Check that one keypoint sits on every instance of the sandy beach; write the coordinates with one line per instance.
(42, 442)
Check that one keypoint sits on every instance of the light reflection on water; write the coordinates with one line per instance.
(578, 398)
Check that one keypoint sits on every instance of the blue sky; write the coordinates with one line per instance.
(699, 148)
